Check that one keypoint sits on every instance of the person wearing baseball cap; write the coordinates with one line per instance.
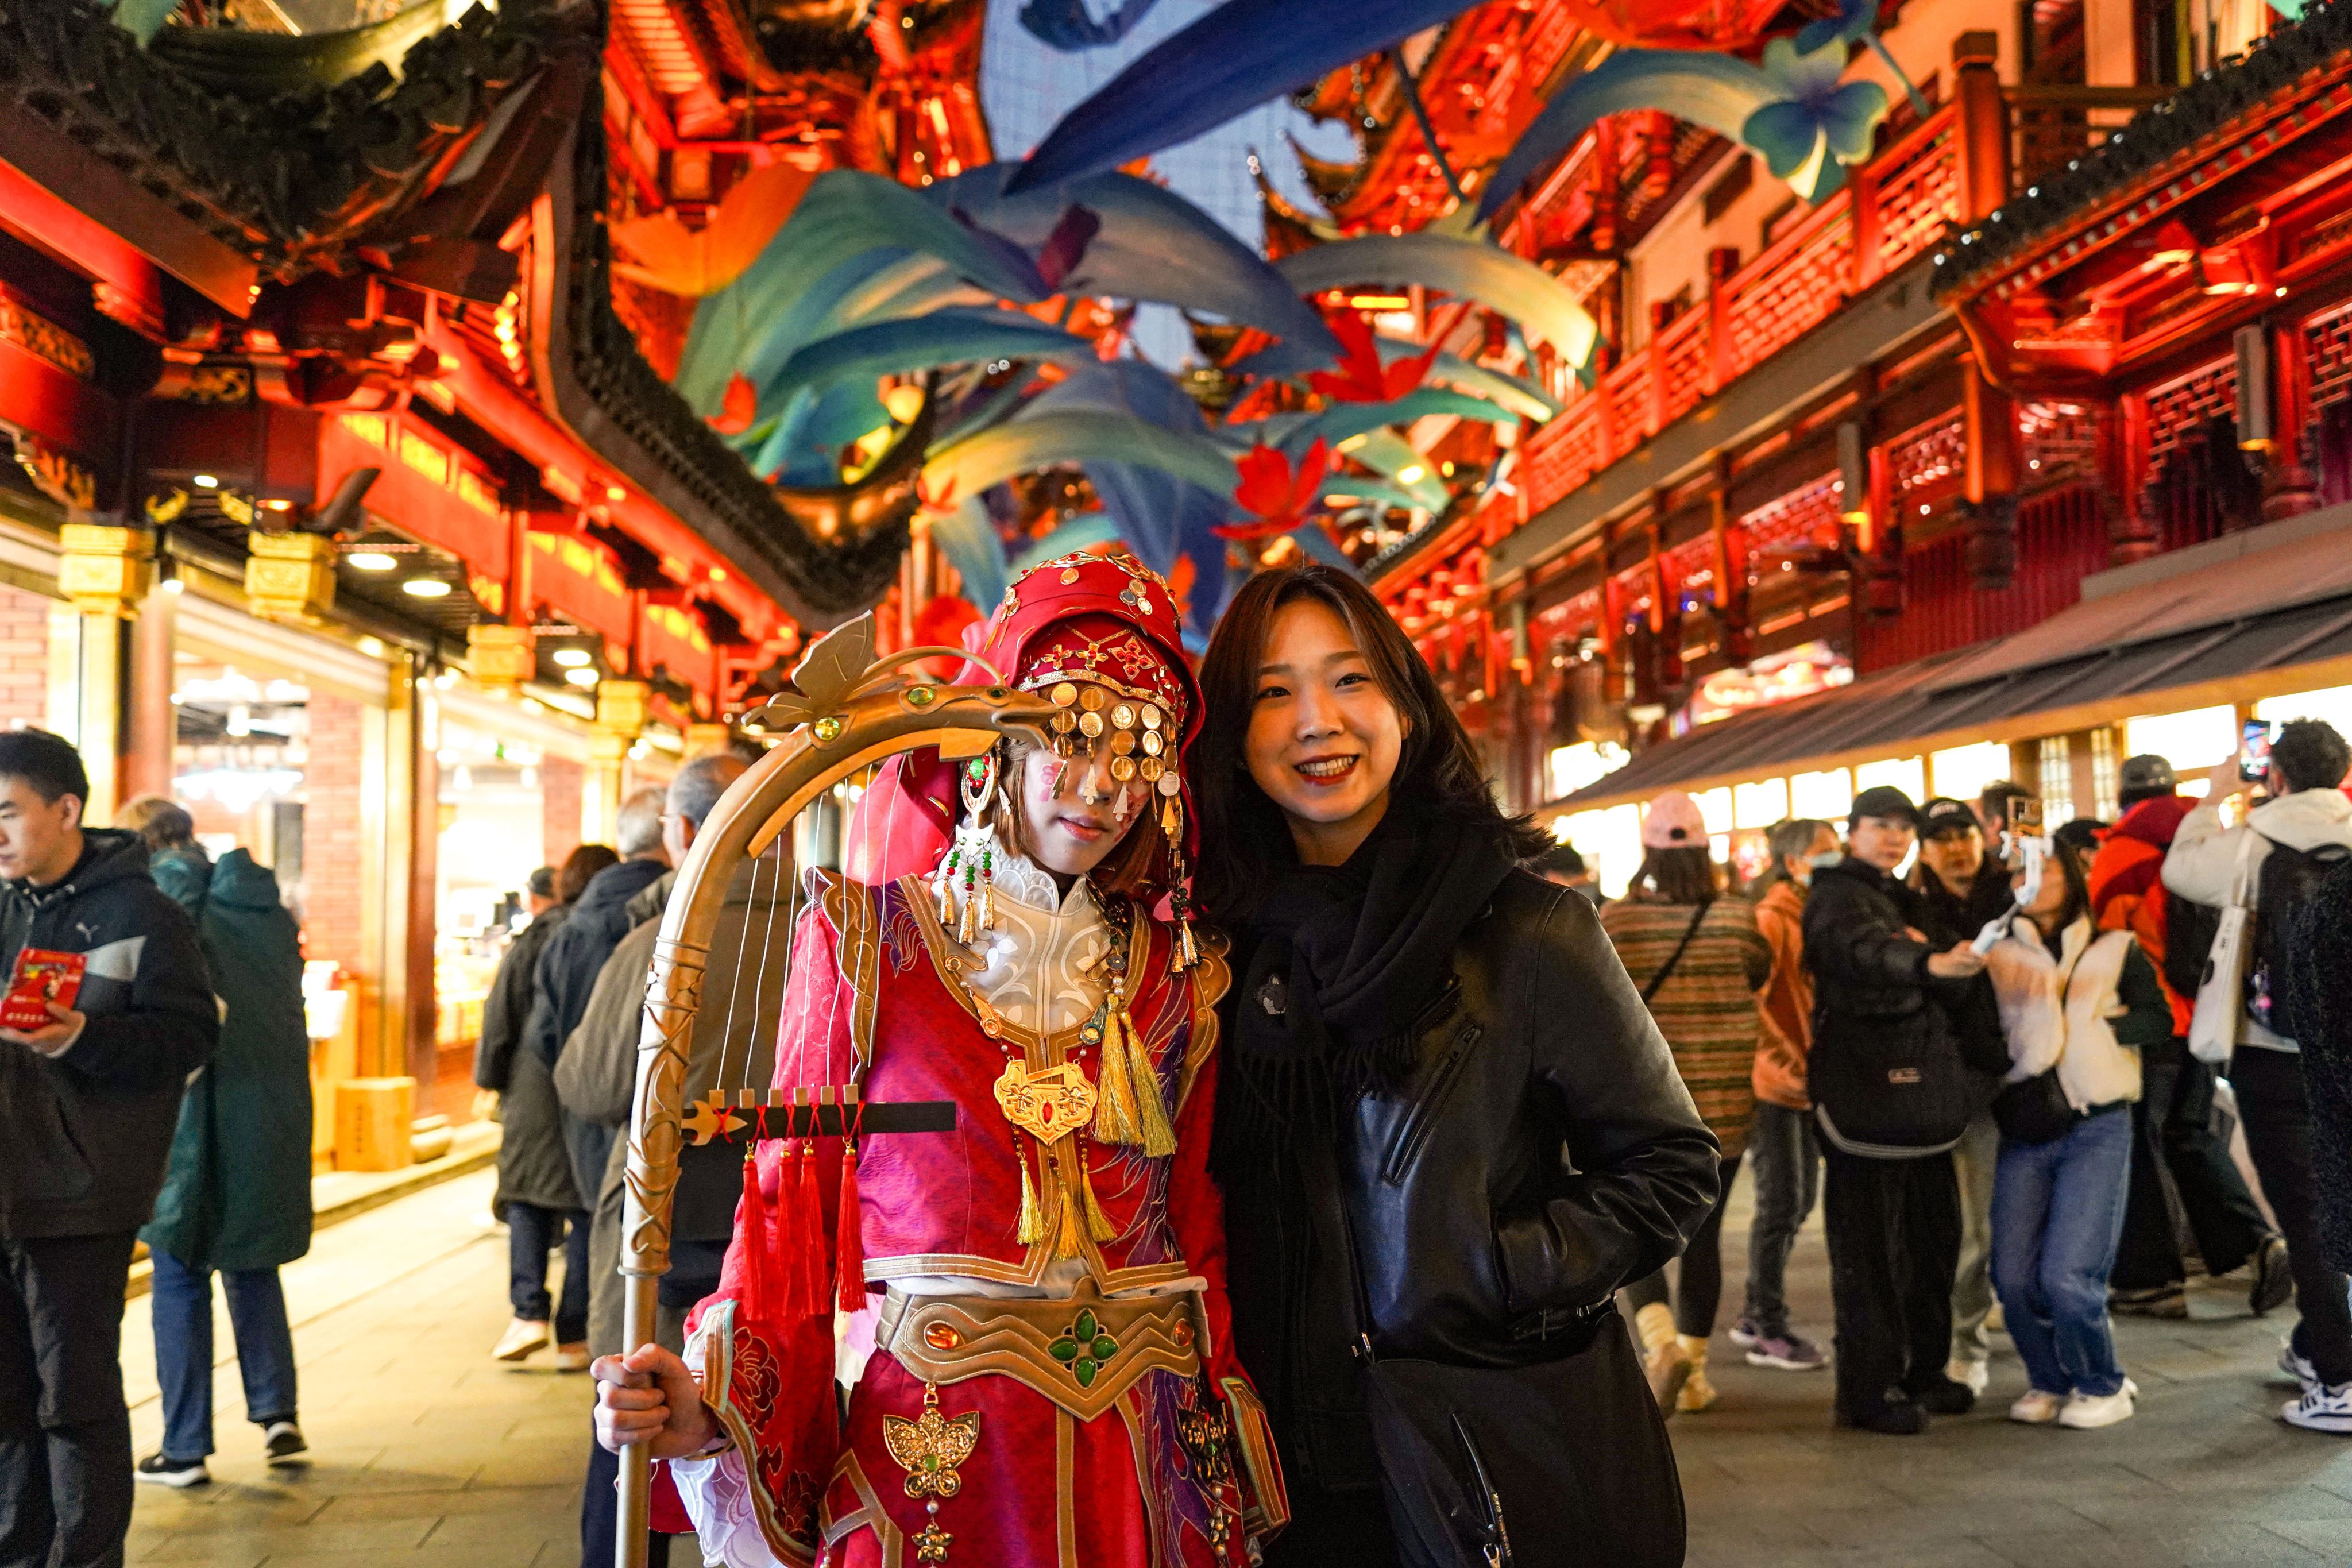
(1961, 888)
(2171, 1120)
(1699, 960)
(1889, 1085)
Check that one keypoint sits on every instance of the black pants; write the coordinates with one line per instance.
(694, 1274)
(65, 1435)
(1333, 1529)
(1893, 1233)
(2173, 1135)
(1698, 1285)
(2277, 1114)
(531, 1233)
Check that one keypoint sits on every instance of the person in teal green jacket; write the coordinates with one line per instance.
(236, 1190)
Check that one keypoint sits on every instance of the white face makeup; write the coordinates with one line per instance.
(1073, 813)
(1324, 738)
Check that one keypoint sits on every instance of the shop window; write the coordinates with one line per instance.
(2191, 742)
(1760, 805)
(1572, 768)
(1962, 771)
(2056, 779)
(2103, 774)
(2333, 705)
(1827, 795)
(1908, 775)
(1611, 843)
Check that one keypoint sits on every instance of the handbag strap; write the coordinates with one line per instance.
(1675, 957)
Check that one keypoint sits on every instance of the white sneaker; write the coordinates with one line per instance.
(2088, 1412)
(2037, 1408)
(2321, 1408)
(571, 1357)
(1976, 1375)
(2296, 1367)
(523, 1337)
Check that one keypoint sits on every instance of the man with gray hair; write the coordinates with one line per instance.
(567, 966)
(733, 1047)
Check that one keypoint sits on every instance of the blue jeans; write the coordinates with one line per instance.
(2057, 1214)
(1788, 1167)
(184, 1349)
(531, 1233)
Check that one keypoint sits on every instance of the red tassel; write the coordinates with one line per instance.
(789, 1243)
(751, 1220)
(810, 1270)
(849, 1246)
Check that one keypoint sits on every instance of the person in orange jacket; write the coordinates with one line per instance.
(1786, 1160)
(2172, 1121)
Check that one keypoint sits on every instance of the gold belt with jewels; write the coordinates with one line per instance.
(1082, 1354)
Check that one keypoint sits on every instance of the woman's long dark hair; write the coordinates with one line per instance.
(1245, 843)
(1677, 876)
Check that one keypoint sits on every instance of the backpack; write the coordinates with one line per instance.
(2189, 931)
(2286, 881)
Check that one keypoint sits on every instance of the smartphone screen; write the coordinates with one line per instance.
(2254, 751)
(2025, 816)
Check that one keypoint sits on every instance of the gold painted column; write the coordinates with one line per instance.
(154, 724)
(105, 573)
(620, 719)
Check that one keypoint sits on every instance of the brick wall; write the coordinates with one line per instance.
(24, 658)
(331, 848)
(560, 784)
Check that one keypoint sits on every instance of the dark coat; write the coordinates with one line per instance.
(534, 1168)
(237, 1190)
(1542, 1152)
(566, 975)
(1890, 1076)
(85, 1134)
(2319, 991)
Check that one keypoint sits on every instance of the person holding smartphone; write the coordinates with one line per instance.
(2274, 860)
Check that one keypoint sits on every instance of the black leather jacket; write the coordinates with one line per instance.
(1542, 1154)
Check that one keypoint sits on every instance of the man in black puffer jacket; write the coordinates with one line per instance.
(1889, 1087)
(88, 1106)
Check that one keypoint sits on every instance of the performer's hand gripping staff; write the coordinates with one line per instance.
(846, 713)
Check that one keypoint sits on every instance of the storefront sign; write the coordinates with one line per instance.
(1777, 677)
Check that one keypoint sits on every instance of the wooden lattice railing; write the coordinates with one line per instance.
(1891, 209)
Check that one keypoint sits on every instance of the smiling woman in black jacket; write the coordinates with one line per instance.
(1448, 1130)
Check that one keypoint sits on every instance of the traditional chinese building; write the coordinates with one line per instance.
(1859, 483)
(352, 505)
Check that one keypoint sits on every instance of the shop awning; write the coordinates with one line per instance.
(2196, 626)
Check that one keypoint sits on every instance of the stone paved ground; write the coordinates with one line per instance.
(2204, 1474)
(426, 1452)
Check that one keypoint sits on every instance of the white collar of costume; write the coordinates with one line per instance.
(1042, 966)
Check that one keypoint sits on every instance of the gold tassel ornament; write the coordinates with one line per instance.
(1070, 1243)
(1033, 1219)
(1150, 1111)
(1099, 1224)
(1117, 1119)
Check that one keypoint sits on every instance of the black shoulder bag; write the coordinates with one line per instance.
(1675, 957)
(1559, 1464)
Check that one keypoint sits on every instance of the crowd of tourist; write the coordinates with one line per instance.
(1995, 1051)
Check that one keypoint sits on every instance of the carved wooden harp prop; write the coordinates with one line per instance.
(847, 713)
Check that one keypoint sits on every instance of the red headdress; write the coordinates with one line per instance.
(1105, 619)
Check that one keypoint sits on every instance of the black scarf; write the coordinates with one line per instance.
(1344, 958)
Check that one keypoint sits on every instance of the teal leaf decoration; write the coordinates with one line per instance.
(140, 18)
(1467, 268)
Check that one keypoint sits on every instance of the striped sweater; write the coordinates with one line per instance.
(1707, 1009)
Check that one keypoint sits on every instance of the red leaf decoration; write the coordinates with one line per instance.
(742, 406)
(1361, 378)
(1273, 492)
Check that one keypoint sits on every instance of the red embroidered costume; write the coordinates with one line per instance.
(1041, 1373)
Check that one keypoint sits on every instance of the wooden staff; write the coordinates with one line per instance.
(848, 712)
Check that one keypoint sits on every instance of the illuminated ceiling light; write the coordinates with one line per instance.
(278, 505)
(371, 561)
(1379, 302)
(580, 677)
(425, 588)
(1412, 473)
(616, 493)
(204, 482)
(572, 658)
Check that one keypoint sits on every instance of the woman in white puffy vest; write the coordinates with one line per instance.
(2076, 1005)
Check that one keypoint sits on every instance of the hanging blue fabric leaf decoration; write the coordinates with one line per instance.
(1066, 24)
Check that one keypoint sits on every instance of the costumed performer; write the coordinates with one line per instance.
(1042, 1374)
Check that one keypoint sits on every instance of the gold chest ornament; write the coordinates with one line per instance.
(1048, 1105)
